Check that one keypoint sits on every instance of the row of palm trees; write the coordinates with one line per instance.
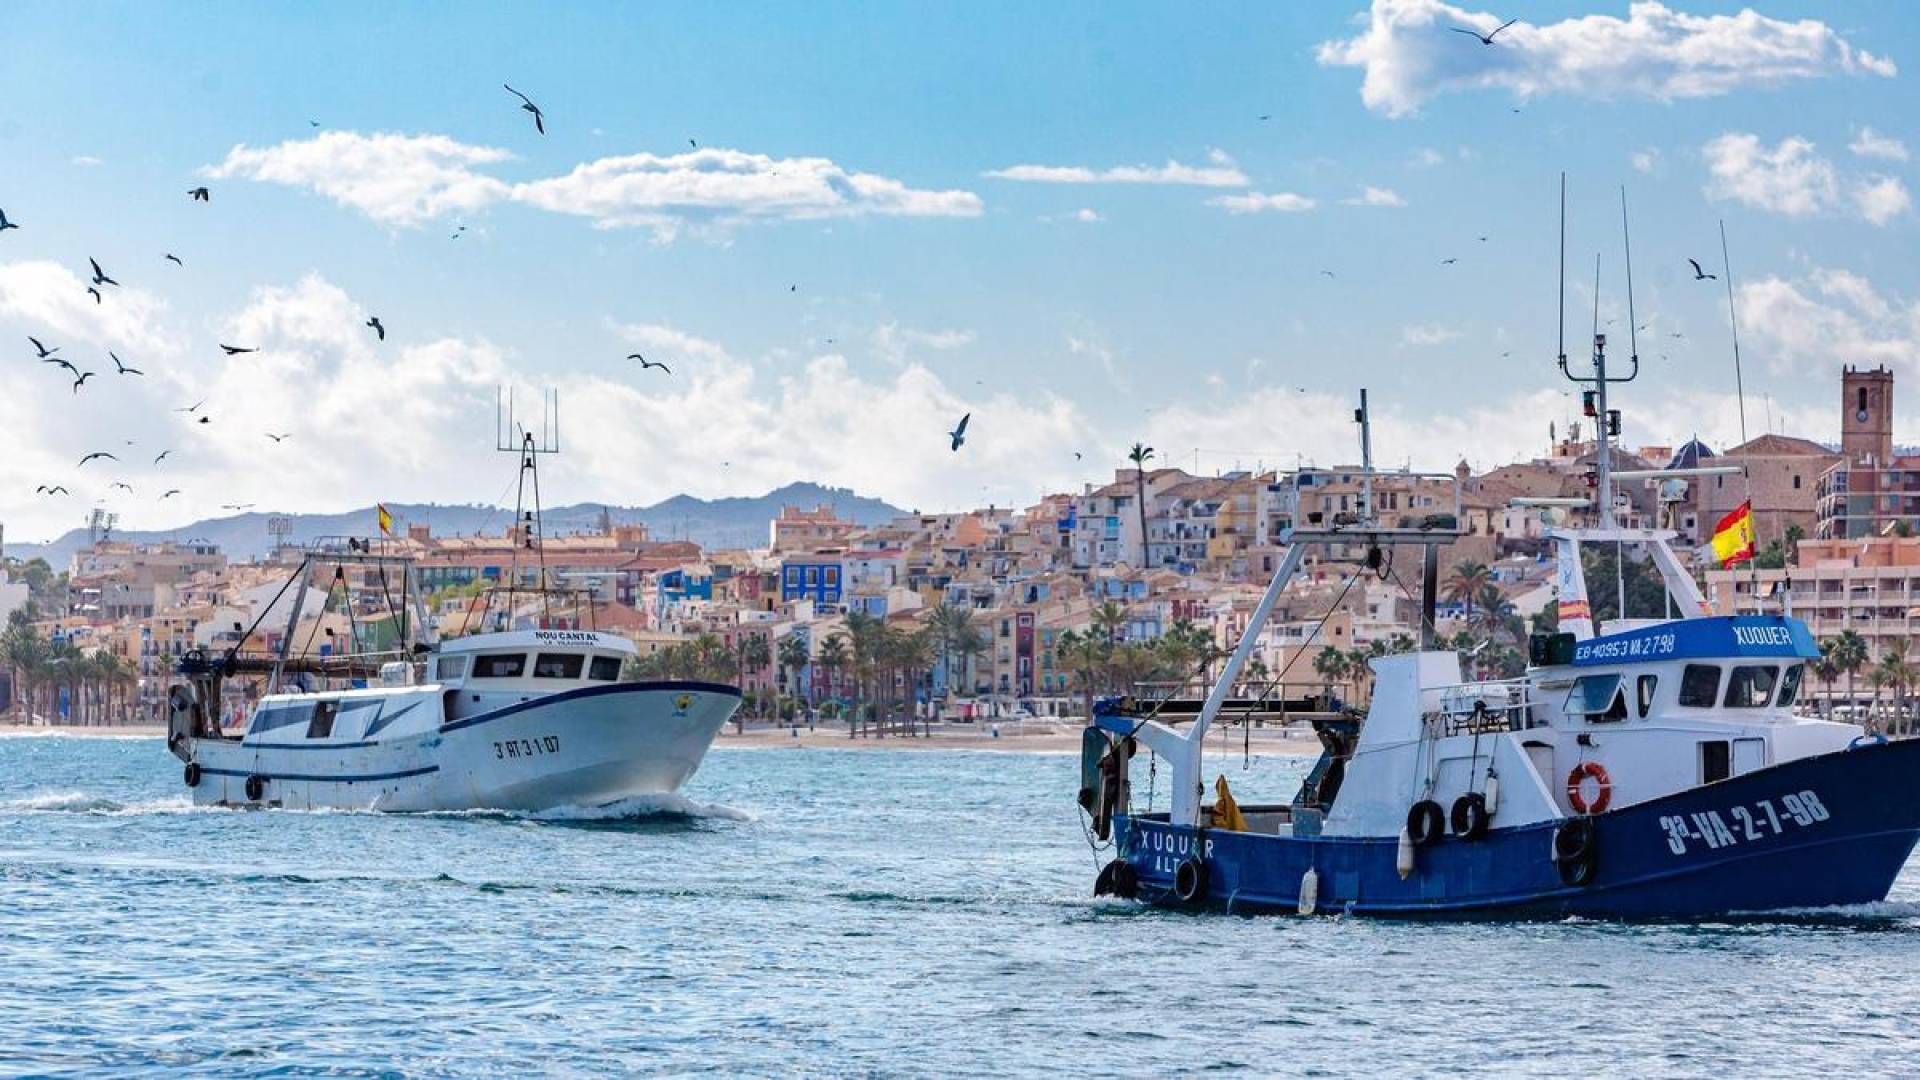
(1896, 672)
(100, 688)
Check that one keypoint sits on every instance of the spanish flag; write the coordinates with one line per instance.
(386, 521)
(1733, 537)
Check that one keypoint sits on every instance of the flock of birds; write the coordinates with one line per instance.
(100, 278)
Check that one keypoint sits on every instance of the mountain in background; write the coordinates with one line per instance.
(711, 523)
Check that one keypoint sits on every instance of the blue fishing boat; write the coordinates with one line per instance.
(1648, 768)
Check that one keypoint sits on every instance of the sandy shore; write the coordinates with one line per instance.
(1033, 737)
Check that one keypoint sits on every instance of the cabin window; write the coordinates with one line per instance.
(1597, 697)
(1699, 686)
(499, 665)
(1790, 684)
(1716, 762)
(280, 716)
(450, 667)
(1646, 685)
(604, 669)
(1751, 686)
(321, 726)
(550, 665)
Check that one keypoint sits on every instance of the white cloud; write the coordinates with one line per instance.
(728, 187)
(51, 302)
(1788, 179)
(1870, 143)
(1376, 196)
(1792, 178)
(656, 341)
(1828, 318)
(1881, 199)
(1254, 202)
(1427, 334)
(1221, 172)
(86, 161)
(1409, 54)
(1426, 157)
(1647, 160)
(1085, 214)
(895, 343)
(407, 180)
(393, 179)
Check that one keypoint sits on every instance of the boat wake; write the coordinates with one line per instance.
(80, 802)
(639, 808)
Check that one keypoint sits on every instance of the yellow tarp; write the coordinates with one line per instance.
(1226, 812)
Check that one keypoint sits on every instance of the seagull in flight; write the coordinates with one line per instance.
(1448, 262)
(195, 407)
(96, 454)
(646, 363)
(959, 432)
(122, 368)
(1702, 275)
(174, 259)
(4, 223)
(122, 484)
(279, 438)
(42, 349)
(162, 457)
(377, 328)
(95, 292)
(199, 194)
(235, 350)
(63, 363)
(1487, 38)
(84, 376)
(171, 492)
(100, 276)
(539, 118)
(1328, 273)
(236, 506)
(206, 419)
(51, 489)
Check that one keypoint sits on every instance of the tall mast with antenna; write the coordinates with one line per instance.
(1733, 322)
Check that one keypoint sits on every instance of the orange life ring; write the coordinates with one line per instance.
(1577, 799)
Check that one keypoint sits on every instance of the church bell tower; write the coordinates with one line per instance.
(1866, 420)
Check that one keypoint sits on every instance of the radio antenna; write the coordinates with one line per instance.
(1733, 322)
(1626, 237)
(1563, 273)
(1596, 294)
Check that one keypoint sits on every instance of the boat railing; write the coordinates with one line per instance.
(1484, 707)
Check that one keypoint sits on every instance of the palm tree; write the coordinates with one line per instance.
(914, 654)
(1824, 669)
(1466, 582)
(793, 658)
(948, 623)
(1084, 657)
(1108, 620)
(1331, 664)
(1896, 672)
(833, 658)
(970, 645)
(1139, 455)
(1849, 656)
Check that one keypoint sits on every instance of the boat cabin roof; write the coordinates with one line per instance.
(548, 640)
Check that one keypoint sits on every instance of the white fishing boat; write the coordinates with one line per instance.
(530, 714)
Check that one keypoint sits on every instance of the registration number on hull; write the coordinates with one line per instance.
(1760, 821)
(538, 746)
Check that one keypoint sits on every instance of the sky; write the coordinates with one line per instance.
(843, 227)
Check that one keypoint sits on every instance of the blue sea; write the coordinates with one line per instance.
(825, 912)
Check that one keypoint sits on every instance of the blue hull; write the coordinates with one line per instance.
(1828, 830)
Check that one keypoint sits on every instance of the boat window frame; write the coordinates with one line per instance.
(1766, 695)
(1644, 688)
(541, 660)
(1588, 691)
(440, 673)
(320, 719)
(1689, 694)
(594, 668)
(480, 662)
(1791, 680)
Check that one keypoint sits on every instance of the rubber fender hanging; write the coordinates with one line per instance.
(1117, 878)
(1577, 798)
(1426, 822)
(1576, 851)
(256, 787)
(1470, 817)
(193, 774)
(1190, 881)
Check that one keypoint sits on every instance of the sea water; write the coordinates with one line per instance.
(829, 912)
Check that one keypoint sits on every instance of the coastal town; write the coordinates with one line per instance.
(995, 614)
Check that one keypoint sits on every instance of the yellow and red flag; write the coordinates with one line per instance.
(386, 519)
(1733, 536)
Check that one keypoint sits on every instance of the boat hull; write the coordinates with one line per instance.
(1821, 831)
(581, 748)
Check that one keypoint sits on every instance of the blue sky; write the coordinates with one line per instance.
(895, 215)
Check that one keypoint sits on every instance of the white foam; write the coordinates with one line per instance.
(639, 806)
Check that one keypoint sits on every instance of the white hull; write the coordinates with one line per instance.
(580, 748)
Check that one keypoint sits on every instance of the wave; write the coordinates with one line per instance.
(80, 802)
(639, 807)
